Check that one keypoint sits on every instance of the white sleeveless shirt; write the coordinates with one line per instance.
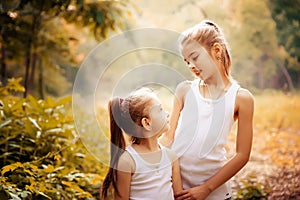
(201, 137)
(151, 180)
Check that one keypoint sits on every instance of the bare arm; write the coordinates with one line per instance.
(167, 138)
(244, 109)
(124, 173)
(176, 176)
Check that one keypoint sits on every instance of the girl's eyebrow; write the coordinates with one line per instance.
(156, 105)
(191, 54)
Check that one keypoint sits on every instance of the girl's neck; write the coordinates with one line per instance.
(148, 144)
(218, 81)
(215, 88)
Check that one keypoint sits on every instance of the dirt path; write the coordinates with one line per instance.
(274, 162)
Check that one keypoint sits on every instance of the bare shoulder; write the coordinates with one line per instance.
(245, 95)
(171, 154)
(244, 98)
(182, 88)
(184, 85)
(126, 163)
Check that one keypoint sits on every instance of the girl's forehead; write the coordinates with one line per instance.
(149, 98)
(153, 103)
(189, 48)
(154, 98)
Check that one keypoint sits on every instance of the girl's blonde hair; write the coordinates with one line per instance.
(207, 33)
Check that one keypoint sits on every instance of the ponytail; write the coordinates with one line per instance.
(117, 145)
(227, 61)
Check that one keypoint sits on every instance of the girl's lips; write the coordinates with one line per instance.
(198, 72)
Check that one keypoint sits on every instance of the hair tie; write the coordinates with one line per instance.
(121, 100)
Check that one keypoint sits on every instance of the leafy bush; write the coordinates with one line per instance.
(40, 157)
(250, 189)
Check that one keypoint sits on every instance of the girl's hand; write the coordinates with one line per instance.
(196, 193)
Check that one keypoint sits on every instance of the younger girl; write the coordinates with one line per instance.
(143, 170)
(203, 114)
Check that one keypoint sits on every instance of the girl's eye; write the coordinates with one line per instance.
(187, 62)
(194, 58)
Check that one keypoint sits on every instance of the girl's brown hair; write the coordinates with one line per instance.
(124, 114)
(207, 33)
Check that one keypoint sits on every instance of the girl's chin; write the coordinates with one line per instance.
(166, 128)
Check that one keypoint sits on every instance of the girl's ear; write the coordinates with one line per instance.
(216, 51)
(146, 123)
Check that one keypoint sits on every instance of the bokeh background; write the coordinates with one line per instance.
(44, 43)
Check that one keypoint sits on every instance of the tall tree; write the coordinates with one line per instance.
(255, 44)
(287, 17)
(29, 21)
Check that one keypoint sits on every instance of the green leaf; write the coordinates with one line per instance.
(64, 101)
(25, 194)
(14, 197)
(18, 105)
(48, 168)
(34, 103)
(50, 102)
(29, 172)
(34, 122)
(31, 187)
(14, 85)
(99, 17)
(11, 167)
(44, 195)
(4, 123)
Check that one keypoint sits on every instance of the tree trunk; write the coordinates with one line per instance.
(288, 77)
(27, 68)
(3, 66)
(32, 73)
(41, 79)
(32, 45)
(298, 80)
(29, 57)
(260, 77)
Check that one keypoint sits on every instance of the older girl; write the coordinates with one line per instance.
(203, 114)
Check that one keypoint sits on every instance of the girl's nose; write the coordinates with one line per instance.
(168, 114)
(192, 67)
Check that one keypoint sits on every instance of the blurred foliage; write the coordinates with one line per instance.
(286, 15)
(251, 189)
(41, 157)
(38, 37)
(257, 56)
(276, 111)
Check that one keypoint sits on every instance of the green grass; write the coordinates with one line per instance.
(277, 111)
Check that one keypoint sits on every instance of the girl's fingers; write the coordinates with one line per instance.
(182, 195)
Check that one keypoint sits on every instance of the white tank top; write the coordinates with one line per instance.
(201, 136)
(151, 180)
